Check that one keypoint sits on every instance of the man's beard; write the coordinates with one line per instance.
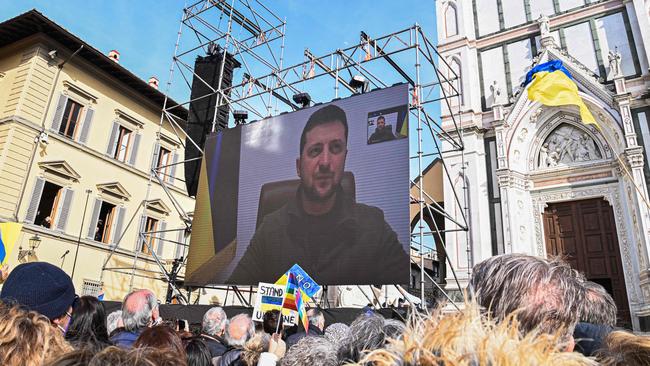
(312, 195)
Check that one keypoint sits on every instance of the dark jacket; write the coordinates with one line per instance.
(381, 134)
(216, 345)
(294, 338)
(232, 357)
(590, 337)
(125, 339)
(351, 241)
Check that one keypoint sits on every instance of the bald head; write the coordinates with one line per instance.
(139, 310)
(239, 330)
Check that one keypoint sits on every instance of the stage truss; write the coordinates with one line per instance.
(255, 36)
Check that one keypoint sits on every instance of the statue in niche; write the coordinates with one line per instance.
(497, 94)
(614, 59)
(567, 145)
(544, 25)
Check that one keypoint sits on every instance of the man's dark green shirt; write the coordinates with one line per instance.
(351, 244)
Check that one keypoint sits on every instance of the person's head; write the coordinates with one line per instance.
(41, 287)
(139, 310)
(114, 321)
(78, 357)
(366, 333)
(88, 323)
(381, 122)
(110, 356)
(623, 348)
(311, 351)
(598, 306)
(198, 353)
(27, 338)
(468, 338)
(323, 149)
(545, 293)
(161, 337)
(336, 333)
(316, 318)
(239, 330)
(270, 321)
(255, 347)
(214, 321)
(154, 357)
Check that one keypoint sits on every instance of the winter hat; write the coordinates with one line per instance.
(41, 287)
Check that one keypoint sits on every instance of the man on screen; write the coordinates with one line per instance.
(336, 240)
(382, 132)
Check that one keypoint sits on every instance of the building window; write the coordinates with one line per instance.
(105, 222)
(70, 121)
(164, 159)
(91, 288)
(451, 21)
(48, 205)
(123, 143)
(150, 225)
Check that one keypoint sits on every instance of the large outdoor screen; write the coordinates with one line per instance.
(326, 187)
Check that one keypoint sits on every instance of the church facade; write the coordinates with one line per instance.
(539, 181)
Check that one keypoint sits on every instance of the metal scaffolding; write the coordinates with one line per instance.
(254, 36)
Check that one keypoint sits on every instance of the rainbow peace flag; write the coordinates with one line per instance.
(302, 313)
(9, 232)
(290, 293)
(552, 85)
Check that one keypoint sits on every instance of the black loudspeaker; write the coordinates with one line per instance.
(202, 109)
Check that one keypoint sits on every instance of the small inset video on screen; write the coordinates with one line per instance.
(387, 124)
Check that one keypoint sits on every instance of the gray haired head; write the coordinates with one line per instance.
(311, 351)
(367, 333)
(598, 306)
(316, 318)
(214, 321)
(239, 330)
(113, 321)
(336, 333)
(137, 309)
(544, 292)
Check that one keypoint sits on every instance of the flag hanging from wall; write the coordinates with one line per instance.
(9, 232)
(551, 84)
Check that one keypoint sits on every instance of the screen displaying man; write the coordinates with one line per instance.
(383, 132)
(321, 228)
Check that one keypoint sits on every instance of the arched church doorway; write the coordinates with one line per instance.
(584, 233)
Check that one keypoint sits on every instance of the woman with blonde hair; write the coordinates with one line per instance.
(28, 338)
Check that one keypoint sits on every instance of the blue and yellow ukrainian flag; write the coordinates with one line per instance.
(552, 84)
(9, 232)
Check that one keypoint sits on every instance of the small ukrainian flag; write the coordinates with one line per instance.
(9, 232)
(552, 84)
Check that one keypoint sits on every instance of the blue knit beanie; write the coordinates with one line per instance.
(41, 287)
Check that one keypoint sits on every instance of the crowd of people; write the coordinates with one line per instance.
(519, 310)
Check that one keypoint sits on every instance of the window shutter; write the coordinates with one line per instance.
(143, 221)
(58, 113)
(32, 209)
(88, 119)
(112, 142)
(156, 152)
(161, 238)
(134, 149)
(94, 218)
(64, 209)
(172, 171)
(117, 228)
(180, 240)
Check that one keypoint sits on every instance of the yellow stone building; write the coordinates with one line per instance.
(79, 136)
